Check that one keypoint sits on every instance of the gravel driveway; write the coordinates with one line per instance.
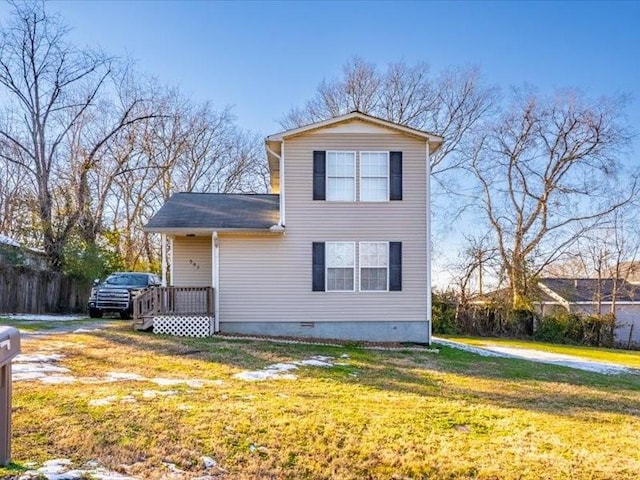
(540, 357)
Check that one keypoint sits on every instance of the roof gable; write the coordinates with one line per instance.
(361, 119)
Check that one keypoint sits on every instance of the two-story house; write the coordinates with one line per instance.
(339, 249)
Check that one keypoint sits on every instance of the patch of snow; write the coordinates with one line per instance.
(193, 383)
(9, 241)
(208, 462)
(344, 355)
(60, 469)
(37, 358)
(123, 376)
(101, 402)
(42, 318)
(173, 467)
(58, 379)
(38, 367)
(277, 370)
(314, 362)
(261, 375)
(158, 393)
(282, 367)
(86, 330)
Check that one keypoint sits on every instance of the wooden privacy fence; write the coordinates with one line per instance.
(25, 290)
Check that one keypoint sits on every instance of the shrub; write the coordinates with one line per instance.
(443, 313)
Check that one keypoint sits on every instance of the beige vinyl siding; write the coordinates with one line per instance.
(268, 278)
(192, 261)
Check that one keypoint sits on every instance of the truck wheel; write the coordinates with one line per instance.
(125, 315)
(95, 313)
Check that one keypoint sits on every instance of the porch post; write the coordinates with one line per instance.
(171, 261)
(215, 273)
(163, 241)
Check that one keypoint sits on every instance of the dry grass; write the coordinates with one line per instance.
(383, 415)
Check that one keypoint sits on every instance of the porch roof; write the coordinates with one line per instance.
(212, 211)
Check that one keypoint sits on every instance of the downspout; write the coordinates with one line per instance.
(281, 181)
(216, 282)
(428, 239)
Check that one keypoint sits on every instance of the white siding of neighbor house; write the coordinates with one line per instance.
(191, 261)
(268, 278)
(627, 316)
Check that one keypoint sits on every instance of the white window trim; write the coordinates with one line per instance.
(355, 178)
(360, 267)
(326, 269)
(388, 177)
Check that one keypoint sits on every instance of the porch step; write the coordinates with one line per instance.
(144, 323)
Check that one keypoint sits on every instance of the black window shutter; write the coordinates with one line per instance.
(318, 267)
(319, 175)
(395, 266)
(395, 175)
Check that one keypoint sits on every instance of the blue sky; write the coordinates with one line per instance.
(265, 57)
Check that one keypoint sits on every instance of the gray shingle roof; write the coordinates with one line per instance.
(216, 210)
(586, 289)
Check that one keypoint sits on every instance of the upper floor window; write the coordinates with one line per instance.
(341, 173)
(374, 176)
(334, 176)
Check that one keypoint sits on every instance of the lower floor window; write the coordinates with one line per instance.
(340, 263)
(334, 266)
(374, 266)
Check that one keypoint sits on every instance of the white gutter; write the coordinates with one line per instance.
(282, 202)
(281, 178)
(428, 239)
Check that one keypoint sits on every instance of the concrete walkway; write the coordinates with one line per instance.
(539, 356)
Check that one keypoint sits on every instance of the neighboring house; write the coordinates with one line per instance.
(630, 271)
(339, 249)
(13, 253)
(583, 295)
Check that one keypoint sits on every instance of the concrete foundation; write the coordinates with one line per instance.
(353, 331)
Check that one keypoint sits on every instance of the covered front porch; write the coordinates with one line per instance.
(189, 224)
(186, 303)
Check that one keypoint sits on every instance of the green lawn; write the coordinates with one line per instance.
(379, 415)
(625, 358)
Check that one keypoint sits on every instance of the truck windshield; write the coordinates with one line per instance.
(127, 279)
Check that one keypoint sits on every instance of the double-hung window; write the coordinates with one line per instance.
(341, 266)
(341, 173)
(374, 266)
(374, 176)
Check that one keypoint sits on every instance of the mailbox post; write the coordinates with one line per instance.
(9, 348)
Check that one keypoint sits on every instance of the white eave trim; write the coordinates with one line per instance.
(351, 116)
(209, 231)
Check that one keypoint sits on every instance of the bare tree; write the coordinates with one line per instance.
(548, 173)
(50, 89)
(451, 104)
